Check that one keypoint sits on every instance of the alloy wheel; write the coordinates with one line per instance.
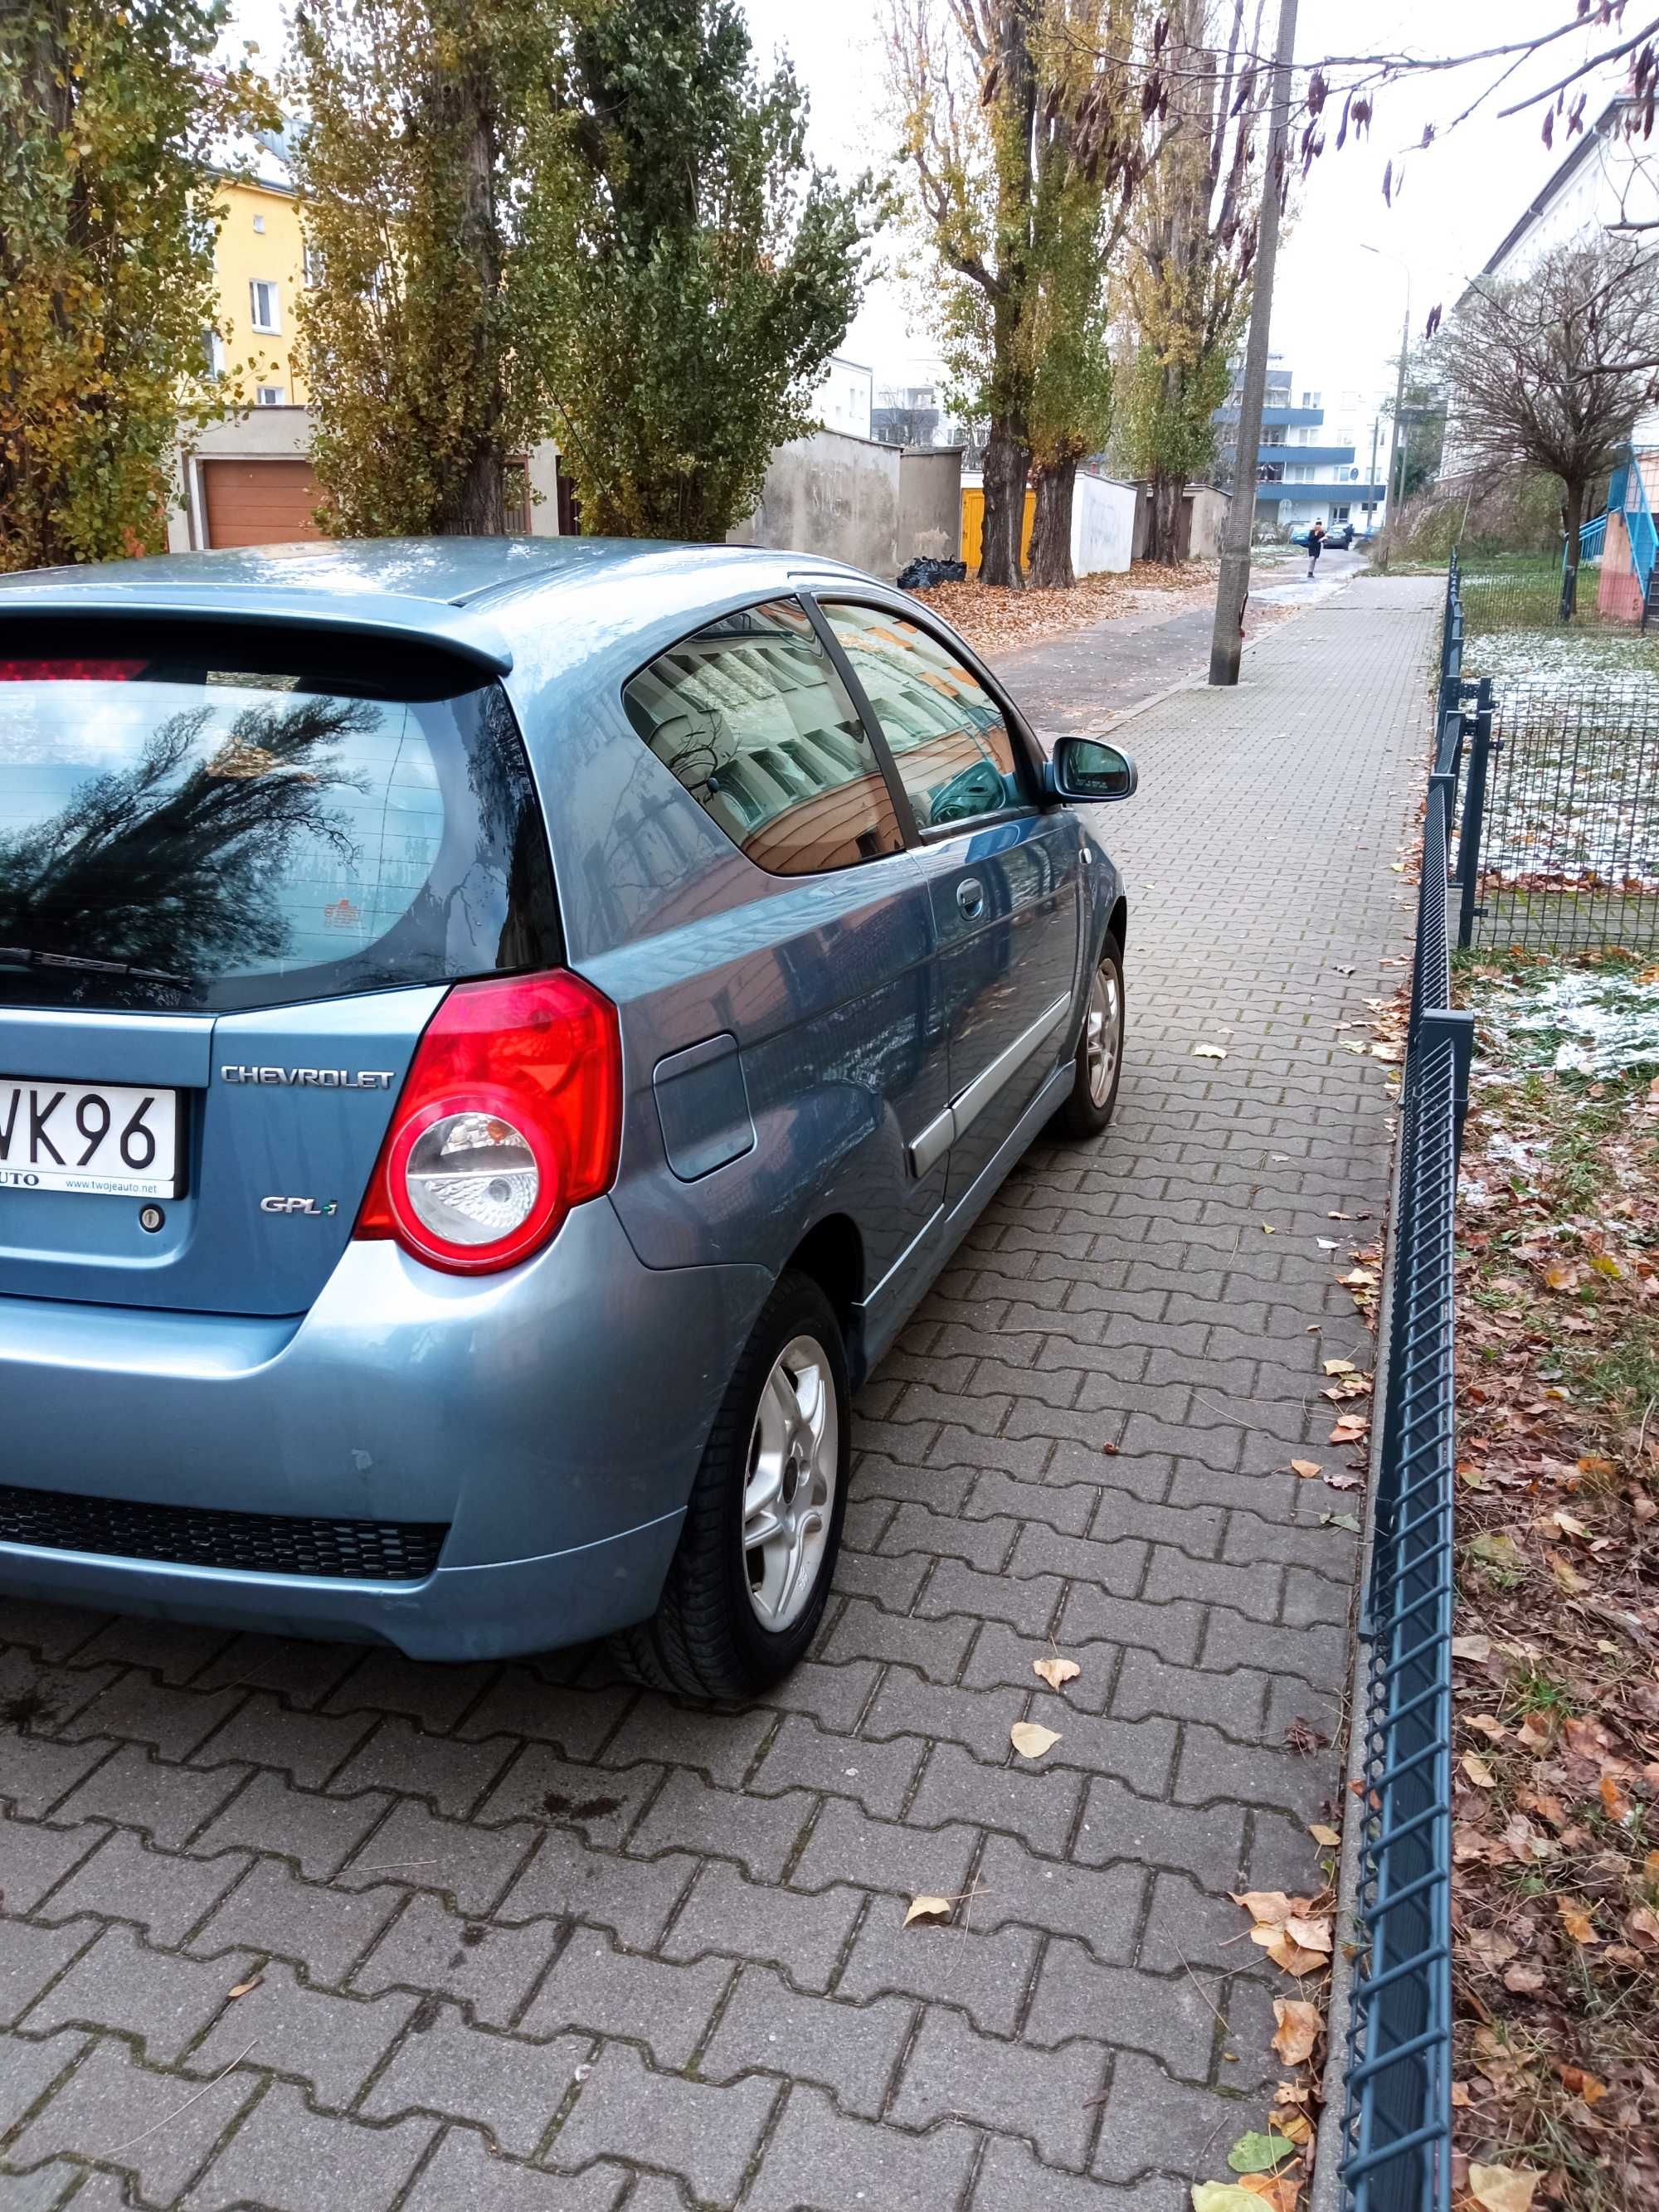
(1103, 1036)
(790, 1490)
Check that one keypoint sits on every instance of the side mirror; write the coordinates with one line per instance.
(1086, 770)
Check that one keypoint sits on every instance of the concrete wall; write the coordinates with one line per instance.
(1208, 510)
(831, 494)
(1103, 525)
(930, 504)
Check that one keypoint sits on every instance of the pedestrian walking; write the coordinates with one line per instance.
(1316, 546)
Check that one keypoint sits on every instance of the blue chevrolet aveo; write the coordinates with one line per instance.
(496, 1036)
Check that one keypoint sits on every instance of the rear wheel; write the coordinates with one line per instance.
(1099, 1064)
(750, 1580)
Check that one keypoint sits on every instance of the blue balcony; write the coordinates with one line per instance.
(1302, 457)
(1291, 417)
(1342, 495)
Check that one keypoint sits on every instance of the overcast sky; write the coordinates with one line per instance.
(1338, 310)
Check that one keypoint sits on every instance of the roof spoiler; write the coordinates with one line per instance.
(391, 616)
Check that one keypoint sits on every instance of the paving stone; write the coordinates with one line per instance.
(987, 1975)
(333, 2043)
(35, 1772)
(465, 2171)
(301, 1674)
(511, 2088)
(473, 1865)
(163, 1893)
(1152, 2120)
(762, 1833)
(385, 1682)
(1037, 1804)
(818, 2160)
(633, 1897)
(575, 1720)
(326, 1930)
(850, 2050)
(723, 1746)
(48, 2188)
(33, 1858)
(950, 2072)
(911, 1709)
(597, 1989)
(833, 1696)
(801, 1933)
(1170, 2016)
(1102, 1905)
(453, 1774)
(599, 1804)
(1119, 1824)
(1012, 2180)
(118, 1983)
(706, 2133)
(306, 1747)
(285, 2158)
(846, 1846)
(137, 1708)
(29, 2070)
(272, 1815)
(108, 2107)
(879, 1775)
(175, 1650)
(169, 1803)
(52, 1631)
(29, 1957)
(935, 1648)
(430, 1948)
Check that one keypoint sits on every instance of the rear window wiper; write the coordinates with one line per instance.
(34, 955)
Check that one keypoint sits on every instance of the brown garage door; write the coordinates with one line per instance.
(259, 502)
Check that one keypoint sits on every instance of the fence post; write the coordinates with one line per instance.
(1457, 1029)
(1474, 816)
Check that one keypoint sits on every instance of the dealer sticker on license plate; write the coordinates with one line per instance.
(112, 1139)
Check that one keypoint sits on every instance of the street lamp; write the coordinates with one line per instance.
(1400, 385)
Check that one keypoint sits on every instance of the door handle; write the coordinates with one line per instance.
(970, 897)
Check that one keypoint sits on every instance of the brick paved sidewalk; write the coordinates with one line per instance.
(534, 1942)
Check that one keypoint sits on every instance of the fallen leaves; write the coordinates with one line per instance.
(1503, 2188)
(1322, 1834)
(1303, 1738)
(1031, 1740)
(1056, 1672)
(1300, 2026)
(1477, 1770)
(930, 1908)
(1575, 1918)
(1308, 1469)
(245, 1988)
(1209, 1052)
(1255, 2153)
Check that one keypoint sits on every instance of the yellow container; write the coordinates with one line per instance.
(973, 526)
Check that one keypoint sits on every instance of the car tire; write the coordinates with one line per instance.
(1099, 1063)
(731, 1621)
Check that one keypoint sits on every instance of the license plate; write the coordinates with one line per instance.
(114, 1140)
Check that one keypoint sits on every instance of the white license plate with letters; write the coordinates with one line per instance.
(111, 1139)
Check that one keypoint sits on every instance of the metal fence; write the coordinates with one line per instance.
(1565, 787)
(1397, 2122)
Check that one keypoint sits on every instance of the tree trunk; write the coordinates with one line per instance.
(476, 507)
(1007, 464)
(1051, 531)
(1164, 536)
(1574, 517)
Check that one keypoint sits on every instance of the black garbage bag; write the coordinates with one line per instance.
(923, 573)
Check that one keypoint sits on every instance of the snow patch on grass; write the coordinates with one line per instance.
(1582, 1021)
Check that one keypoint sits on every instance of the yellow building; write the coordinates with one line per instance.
(260, 260)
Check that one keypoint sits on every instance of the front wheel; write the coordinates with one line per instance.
(750, 1580)
(1099, 1064)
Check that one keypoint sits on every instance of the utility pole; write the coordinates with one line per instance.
(1370, 477)
(1227, 641)
(1398, 402)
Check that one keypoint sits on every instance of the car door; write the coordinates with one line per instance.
(782, 1024)
(1002, 871)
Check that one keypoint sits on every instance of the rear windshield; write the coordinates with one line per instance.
(224, 821)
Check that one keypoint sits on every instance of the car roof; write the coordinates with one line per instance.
(466, 593)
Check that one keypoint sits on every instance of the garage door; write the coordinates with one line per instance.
(259, 502)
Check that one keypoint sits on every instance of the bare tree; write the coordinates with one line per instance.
(1550, 372)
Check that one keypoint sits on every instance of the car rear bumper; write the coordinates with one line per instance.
(544, 1427)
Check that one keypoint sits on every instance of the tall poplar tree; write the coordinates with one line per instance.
(108, 119)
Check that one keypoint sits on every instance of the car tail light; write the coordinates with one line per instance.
(60, 670)
(510, 1114)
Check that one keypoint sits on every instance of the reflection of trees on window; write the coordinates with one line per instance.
(173, 864)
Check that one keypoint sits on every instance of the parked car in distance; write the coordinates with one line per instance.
(496, 1036)
(1338, 535)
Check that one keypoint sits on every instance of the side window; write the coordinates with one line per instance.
(947, 733)
(751, 717)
